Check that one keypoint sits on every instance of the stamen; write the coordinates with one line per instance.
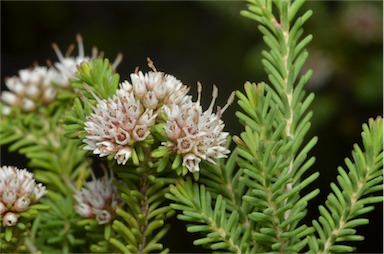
(85, 100)
(219, 112)
(95, 51)
(49, 63)
(199, 90)
(57, 51)
(80, 44)
(215, 93)
(229, 102)
(117, 61)
(69, 50)
(151, 65)
(89, 89)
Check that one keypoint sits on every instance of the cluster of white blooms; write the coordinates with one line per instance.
(31, 87)
(98, 199)
(116, 124)
(37, 85)
(18, 190)
(195, 134)
(119, 122)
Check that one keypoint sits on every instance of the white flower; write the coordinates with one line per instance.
(195, 134)
(116, 125)
(98, 199)
(18, 190)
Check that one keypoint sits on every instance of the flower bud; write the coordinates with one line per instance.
(83, 210)
(173, 130)
(6, 110)
(97, 201)
(150, 100)
(10, 219)
(49, 94)
(28, 105)
(160, 91)
(103, 216)
(32, 91)
(39, 191)
(21, 204)
(3, 209)
(138, 86)
(9, 196)
(9, 98)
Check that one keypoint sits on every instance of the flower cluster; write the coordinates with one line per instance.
(195, 134)
(98, 199)
(31, 87)
(118, 123)
(38, 85)
(18, 190)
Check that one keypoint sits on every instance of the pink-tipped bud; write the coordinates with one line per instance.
(9, 197)
(28, 105)
(21, 204)
(173, 130)
(10, 219)
(138, 85)
(103, 216)
(32, 91)
(10, 98)
(6, 110)
(150, 100)
(39, 191)
(49, 94)
(160, 91)
(84, 210)
(3, 208)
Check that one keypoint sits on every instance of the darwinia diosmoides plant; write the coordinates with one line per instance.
(111, 160)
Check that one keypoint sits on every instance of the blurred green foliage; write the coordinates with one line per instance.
(208, 41)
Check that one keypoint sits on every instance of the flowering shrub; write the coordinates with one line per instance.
(166, 154)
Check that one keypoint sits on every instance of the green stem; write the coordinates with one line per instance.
(143, 188)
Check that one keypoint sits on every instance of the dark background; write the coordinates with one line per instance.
(208, 41)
